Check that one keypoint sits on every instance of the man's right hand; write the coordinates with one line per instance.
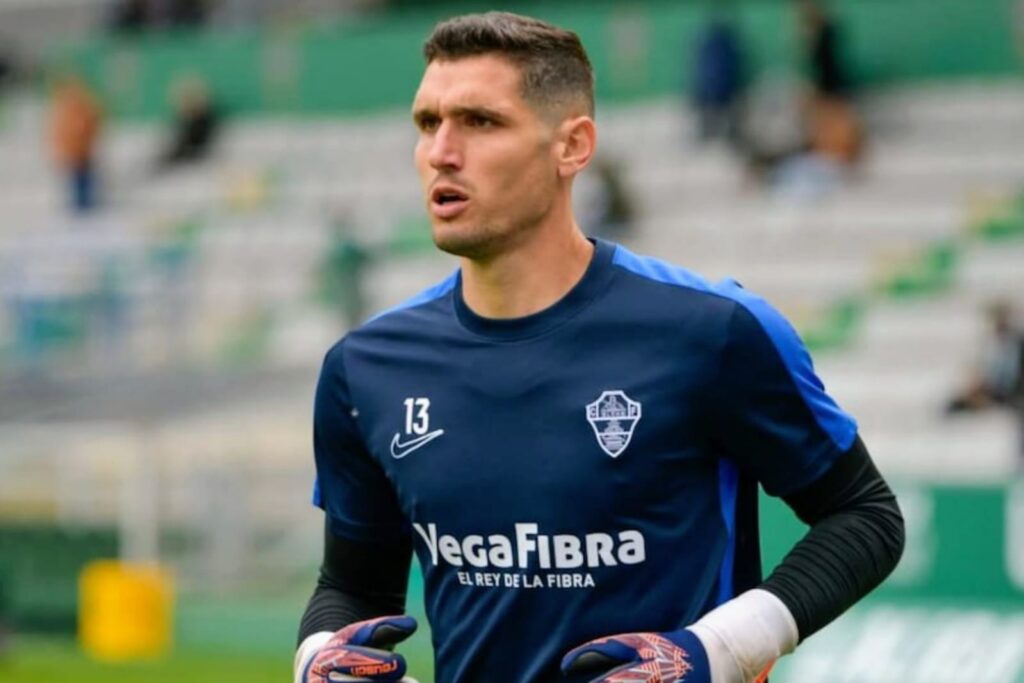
(357, 653)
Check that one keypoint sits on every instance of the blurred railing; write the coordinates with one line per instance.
(225, 507)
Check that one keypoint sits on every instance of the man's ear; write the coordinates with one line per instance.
(577, 142)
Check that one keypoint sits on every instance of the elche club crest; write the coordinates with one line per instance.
(614, 417)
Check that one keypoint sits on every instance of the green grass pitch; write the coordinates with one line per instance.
(30, 660)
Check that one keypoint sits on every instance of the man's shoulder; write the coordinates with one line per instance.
(429, 305)
(669, 280)
(420, 316)
(669, 289)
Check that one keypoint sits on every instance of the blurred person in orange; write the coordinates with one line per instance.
(830, 137)
(827, 144)
(76, 122)
(568, 435)
(836, 131)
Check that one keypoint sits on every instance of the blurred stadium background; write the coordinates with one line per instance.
(158, 351)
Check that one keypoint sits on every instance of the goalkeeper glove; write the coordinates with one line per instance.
(357, 653)
(737, 642)
(676, 657)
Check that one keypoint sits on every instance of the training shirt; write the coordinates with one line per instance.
(588, 470)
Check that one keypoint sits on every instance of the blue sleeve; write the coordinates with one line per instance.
(772, 417)
(350, 486)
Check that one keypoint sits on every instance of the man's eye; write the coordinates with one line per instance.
(477, 121)
(428, 124)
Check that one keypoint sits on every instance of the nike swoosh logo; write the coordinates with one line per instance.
(399, 450)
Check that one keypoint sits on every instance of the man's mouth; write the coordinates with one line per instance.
(448, 201)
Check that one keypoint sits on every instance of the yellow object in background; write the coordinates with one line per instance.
(125, 610)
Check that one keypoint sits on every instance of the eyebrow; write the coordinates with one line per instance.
(419, 115)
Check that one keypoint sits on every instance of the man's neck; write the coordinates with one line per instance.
(527, 279)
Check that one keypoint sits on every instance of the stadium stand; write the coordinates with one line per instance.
(178, 265)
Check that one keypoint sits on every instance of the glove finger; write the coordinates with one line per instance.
(382, 632)
(600, 655)
(361, 663)
(640, 671)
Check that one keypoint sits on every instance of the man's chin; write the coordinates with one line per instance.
(464, 241)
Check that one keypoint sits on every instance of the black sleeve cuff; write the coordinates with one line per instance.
(855, 540)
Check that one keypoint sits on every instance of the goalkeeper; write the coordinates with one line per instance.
(570, 437)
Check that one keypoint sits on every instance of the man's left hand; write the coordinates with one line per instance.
(676, 657)
(358, 652)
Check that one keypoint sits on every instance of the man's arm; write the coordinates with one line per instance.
(367, 548)
(357, 581)
(360, 584)
(855, 540)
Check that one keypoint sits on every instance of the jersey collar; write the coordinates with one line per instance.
(594, 279)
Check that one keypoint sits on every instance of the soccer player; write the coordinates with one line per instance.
(569, 436)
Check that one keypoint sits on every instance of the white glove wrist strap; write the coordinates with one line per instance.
(745, 635)
(307, 650)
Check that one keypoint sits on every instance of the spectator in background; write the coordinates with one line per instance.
(614, 203)
(196, 124)
(775, 125)
(832, 138)
(133, 16)
(183, 13)
(999, 376)
(836, 132)
(998, 380)
(343, 271)
(801, 148)
(129, 16)
(822, 50)
(75, 125)
(7, 68)
(605, 206)
(718, 78)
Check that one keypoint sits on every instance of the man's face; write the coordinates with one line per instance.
(484, 156)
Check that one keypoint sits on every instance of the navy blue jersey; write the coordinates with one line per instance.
(588, 470)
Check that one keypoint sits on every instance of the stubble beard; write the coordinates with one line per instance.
(474, 242)
(486, 240)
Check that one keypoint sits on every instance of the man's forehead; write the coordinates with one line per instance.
(471, 82)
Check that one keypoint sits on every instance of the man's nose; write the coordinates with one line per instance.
(445, 150)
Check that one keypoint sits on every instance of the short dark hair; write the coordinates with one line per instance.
(554, 66)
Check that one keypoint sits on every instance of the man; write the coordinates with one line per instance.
(75, 126)
(196, 125)
(718, 77)
(570, 436)
(998, 378)
(822, 48)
